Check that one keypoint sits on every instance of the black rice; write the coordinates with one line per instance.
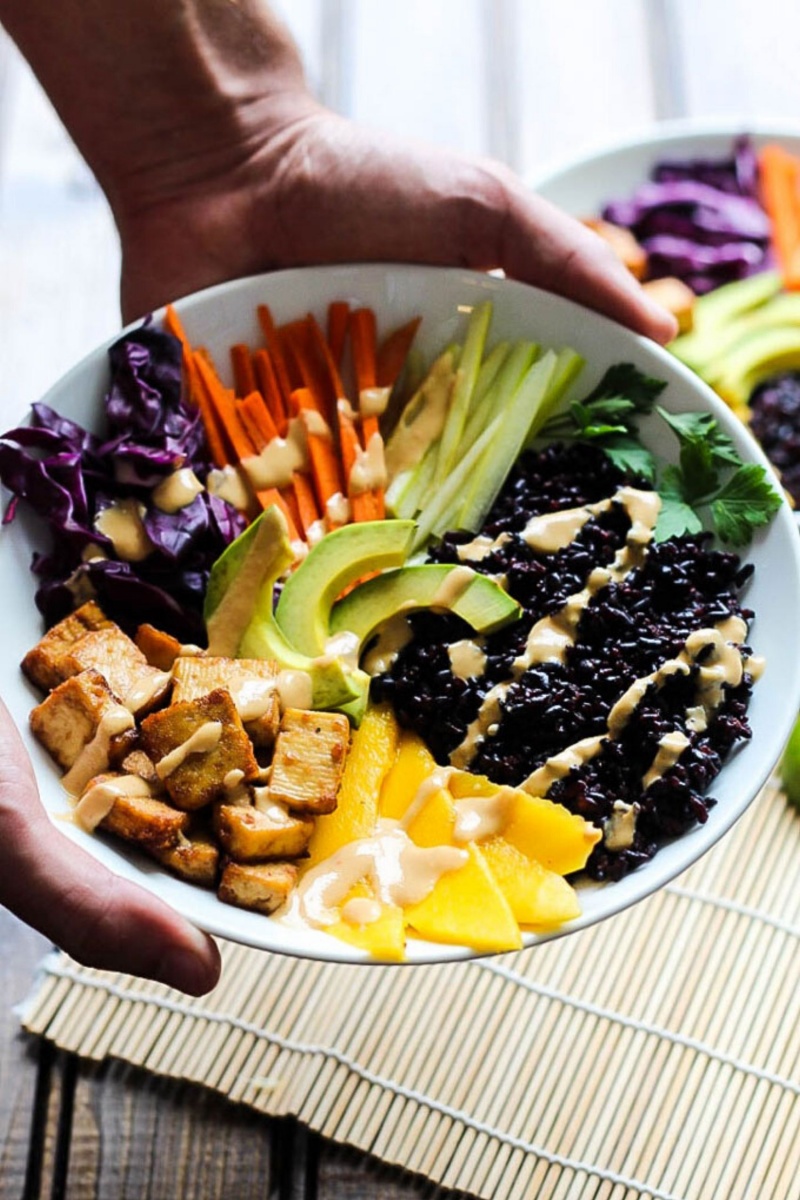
(626, 632)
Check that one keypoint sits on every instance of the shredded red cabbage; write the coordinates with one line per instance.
(68, 475)
(700, 219)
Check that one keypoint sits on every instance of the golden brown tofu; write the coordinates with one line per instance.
(159, 648)
(676, 297)
(250, 681)
(146, 820)
(263, 887)
(630, 253)
(42, 664)
(67, 720)
(194, 858)
(129, 675)
(136, 762)
(309, 758)
(196, 745)
(256, 834)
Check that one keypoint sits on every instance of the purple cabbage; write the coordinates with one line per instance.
(700, 219)
(68, 475)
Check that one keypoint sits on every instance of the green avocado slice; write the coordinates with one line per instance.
(476, 598)
(339, 559)
(239, 610)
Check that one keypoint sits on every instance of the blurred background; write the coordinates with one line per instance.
(531, 82)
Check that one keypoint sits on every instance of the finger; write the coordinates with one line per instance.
(98, 918)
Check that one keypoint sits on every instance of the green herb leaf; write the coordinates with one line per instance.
(676, 516)
(744, 503)
(626, 381)
(630, 455)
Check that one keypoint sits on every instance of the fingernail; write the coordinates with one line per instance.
(193, 971)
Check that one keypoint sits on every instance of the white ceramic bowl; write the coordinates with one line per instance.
(225, 314)
(582, 185)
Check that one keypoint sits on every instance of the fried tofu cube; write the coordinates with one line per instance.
(147, 821)
(196, 745)
(136, 762)
(194, 858)
(309, 758)
(42, 664)
(159, 648)
(262, 887)
(677, 297)
(630, 252)
(68, 719)
(255, 834)
(129, 675)
(250, 681)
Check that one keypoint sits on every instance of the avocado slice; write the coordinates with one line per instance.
(476, 598)
(714, 312)
(239, 610)
(764, 353)
(339, 559)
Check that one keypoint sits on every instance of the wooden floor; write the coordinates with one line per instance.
(523, 80)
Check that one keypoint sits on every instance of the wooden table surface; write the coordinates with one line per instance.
(523, 80)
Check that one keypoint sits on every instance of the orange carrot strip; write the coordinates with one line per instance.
(325, 357)
(243, 373)
(222, 402)
(267, 382)
(338, 317)
(393, 353)
(306, 501)
(272, 340)
(325, 466)
(299, 337)
(780, 177)
(250, 412)
(363, 339)
(269, 496)
(174, 325)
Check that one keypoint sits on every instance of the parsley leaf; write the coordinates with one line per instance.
(675, 516)
(625, 381)
(630, 455)
(744, 503)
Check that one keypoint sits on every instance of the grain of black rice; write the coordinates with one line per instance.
(626, 632)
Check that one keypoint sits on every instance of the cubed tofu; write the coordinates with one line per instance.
(251, 682)
(42, 664)
(194, 858)
(159, 648)
(630, 253)
(147, 821)
(136, 762)
(69, 718)
(256, 834)
(677, 297)
(136, 684)
(263, 887)
(194, 773)
(309, 758)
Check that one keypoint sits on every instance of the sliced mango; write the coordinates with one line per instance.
(372, 752)
(413, 765)
(550, 834)
(433, 824)
(537, 897)
(384, 939)
(467, 907)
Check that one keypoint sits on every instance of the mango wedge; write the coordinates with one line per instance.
(467, 907)
(537, 897)
(384, 939)
(550, 834)
(372, 752)
(412, 766)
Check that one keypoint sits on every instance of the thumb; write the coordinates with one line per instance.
(97, 917)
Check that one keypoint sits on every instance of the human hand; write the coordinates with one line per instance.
(97, 917)
(323, 190)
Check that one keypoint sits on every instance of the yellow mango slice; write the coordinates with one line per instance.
(372, 752)
(384, 939)
(467, 907)
(536, 896)
(433, 824)
(550, 833)
(413, 765)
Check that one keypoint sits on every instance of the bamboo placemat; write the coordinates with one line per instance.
(656, 1055)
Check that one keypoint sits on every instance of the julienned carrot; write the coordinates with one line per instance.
(257, 419)
(298, 336)
(267, 383)
(307, 509)
(221, 402)
(393, 353)
(269, 329)
(363, 340)
(243, 374)
(325, 465)
(780, 180)
(364, 506)
(326, 359)
(338, 317)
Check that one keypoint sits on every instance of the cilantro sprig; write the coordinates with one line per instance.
(709, 487)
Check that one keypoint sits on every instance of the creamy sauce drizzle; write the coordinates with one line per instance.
(393, 635)
(204, 739)
(670, 748)
(481, 817)
(93, 758)
(228, 484)
(122, 524)
(481, 547)
(177, 490)
(146, 689)
(295, 689)
(98, 800)
(369, 469)
(372, 401)
(452, 587)
(337, 509)
(280, 458)
(620, 828)
(423, 419)
(542, 779)
(252, 697)
(467, 659)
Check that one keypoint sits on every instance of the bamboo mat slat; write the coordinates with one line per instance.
(656, 1055)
